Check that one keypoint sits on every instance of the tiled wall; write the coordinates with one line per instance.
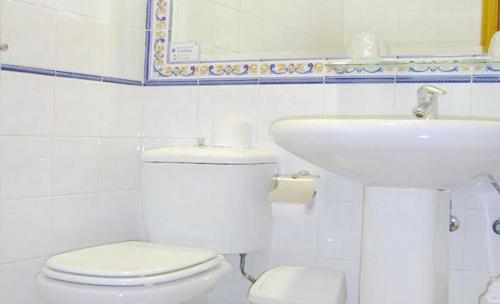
(96, 37)
(69, 151)
(328, 234)
(69, 148)
(69, 171)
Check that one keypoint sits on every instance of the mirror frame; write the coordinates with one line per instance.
(159, 71)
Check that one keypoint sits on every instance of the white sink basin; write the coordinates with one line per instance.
(408, 153)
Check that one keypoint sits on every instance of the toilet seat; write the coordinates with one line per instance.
(130, 264)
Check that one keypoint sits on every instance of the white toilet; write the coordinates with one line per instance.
(198, 203)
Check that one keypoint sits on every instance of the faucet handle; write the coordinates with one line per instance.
(430, 90)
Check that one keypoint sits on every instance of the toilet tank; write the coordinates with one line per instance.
(210, 197)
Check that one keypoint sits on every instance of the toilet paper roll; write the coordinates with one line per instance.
(232, 132)
(298, 190)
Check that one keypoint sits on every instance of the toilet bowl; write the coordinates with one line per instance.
(131, 273)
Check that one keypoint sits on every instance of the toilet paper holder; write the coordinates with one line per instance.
(299, 188)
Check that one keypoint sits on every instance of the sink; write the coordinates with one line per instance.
(403, 164)
(428, 154)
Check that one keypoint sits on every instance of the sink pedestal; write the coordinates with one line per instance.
(405, 246)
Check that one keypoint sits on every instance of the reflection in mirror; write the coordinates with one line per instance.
(270, 29)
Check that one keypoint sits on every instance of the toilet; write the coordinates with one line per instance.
(198, 203)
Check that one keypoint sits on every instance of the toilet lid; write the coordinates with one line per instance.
(129, 259)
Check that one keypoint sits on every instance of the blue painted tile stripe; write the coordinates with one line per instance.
(63, 74)
(149, 8)
(122, 81)
(147, 56)
(78, 76)
(292, 80)
(485, 79)
(227, 81)
(359, 80)
(29, 70)
(434, 79)
(168, 83)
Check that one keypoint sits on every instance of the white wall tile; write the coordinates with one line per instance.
(337, 188)
(17, 283)
(457, 101)
(76, 165)
(225, 101)
(485, 100)
(25, 166)
(119, 165)
(119, 216)
(482, 245)
(295, 229)
(170, 112)
(418, 26)
(78, 107)
(153, 143)
(455, 288)
(121, 108)
(277, 101)
(233, 288)
(26, 104)
(478, 194)
(74, 222)
(52, 4)
(473, 285)
(261, 262)
(457, 241)
(357, 99)
(121, 58)
(287, 162)
(339, 231)
(87, 8)
(32, 42)
(126, 12)
(79, 46)
(24, 229)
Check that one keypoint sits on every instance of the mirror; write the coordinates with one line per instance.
(284, 29)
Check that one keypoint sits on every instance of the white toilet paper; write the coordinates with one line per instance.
(232, 132)
(289, 189)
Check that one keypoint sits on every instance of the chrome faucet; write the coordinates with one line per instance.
(427, 106)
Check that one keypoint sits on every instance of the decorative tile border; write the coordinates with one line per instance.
(399, 70)
(158, 71)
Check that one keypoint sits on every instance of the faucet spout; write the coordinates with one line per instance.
(427, 106)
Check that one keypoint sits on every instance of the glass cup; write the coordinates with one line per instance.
(365, 48)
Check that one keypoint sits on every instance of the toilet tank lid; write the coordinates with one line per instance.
(209, 155)
(299, 285)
